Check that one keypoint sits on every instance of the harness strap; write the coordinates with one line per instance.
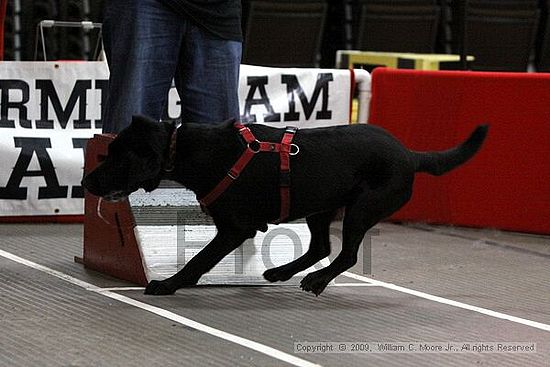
(284, 173)
(231, 176)
(253, 147)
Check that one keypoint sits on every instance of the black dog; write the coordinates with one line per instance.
(361, 168)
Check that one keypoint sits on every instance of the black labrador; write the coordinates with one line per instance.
(360, 168)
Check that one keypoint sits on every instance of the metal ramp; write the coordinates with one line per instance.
(170, 229)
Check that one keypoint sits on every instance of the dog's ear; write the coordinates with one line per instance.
(143, 171)
(145, 141)
(146, 134)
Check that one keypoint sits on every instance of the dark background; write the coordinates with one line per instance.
(503, 35)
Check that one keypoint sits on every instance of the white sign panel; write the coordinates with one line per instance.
(47, 113)
(294, 96)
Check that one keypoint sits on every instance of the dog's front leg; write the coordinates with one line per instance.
(223, 243)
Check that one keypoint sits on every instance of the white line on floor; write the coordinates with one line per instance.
(353, 285)
(449, 302)
(122, 289)
(118, 289)
(247, 343)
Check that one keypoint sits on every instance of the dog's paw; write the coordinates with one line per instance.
(314, 283)
(276, 275)
(158, 288)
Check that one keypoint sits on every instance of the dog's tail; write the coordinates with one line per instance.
(438, 163)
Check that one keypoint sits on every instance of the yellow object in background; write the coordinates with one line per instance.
(348, 58)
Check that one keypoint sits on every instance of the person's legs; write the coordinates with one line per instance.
(208, 77)
(142, 42)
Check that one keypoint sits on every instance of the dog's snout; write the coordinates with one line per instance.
(89, 184)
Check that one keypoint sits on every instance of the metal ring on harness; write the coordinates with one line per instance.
(254, 146)
(296, 149)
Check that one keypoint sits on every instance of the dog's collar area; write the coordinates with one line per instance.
(170, 160)
(253, 146)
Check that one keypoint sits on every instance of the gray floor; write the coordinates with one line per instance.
(49, 318)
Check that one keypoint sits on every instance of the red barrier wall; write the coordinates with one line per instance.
(506, 185)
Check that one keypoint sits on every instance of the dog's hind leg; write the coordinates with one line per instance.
(223, 243)
(369, 208)
(319, 248)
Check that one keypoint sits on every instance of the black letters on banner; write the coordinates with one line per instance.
(102, 85)
(259, 83)
(79, 143)
(48, 93)
(29, 146)
(293, 86)
(6, 104)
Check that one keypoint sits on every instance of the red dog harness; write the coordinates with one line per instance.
(285, 149)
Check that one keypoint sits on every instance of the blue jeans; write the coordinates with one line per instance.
(147, 46)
